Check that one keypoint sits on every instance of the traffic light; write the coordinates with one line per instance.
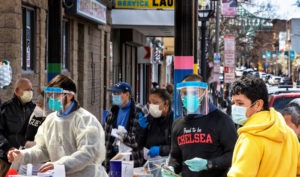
(286, 54)
(292, 54)
(268, 55)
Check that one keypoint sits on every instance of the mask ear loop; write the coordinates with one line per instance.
(166, 104)
(63, 102)
(253, 105)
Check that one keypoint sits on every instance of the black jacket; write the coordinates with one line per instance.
(211, 137)
(12, 116)
(157, 133)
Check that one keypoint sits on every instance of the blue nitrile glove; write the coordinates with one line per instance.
(166, 173)
(196, 164)
(154, 151)
(142, 120)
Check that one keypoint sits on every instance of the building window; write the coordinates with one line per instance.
(65, 63)
(27, 61)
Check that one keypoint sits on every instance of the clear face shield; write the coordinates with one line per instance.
(54, 99)
(194, 97)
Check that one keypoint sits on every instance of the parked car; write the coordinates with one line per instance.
(279, 97)
(239, 72)
(286, 81)
(274, 80)
(255, 73)
(247, 71)
(262, 75)
(267, 77)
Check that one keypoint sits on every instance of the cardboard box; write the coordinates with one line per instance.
(120, 166)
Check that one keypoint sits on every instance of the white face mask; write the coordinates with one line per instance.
(154, 110)
(26, 97)
(39, 112)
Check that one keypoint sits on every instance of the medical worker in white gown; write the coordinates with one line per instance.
(70, 136)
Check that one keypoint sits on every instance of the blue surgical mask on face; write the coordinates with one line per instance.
(117, 100)
(238, 114)
(191, 103)
(54, 104)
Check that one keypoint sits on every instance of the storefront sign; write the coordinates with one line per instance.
(90, 9)
(145, 4)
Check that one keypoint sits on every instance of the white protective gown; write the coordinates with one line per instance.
(75, 141)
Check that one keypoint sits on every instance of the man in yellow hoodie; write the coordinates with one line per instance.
(266, 146)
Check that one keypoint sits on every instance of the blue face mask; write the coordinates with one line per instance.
(238, 114)
(117, 100)
(191, 103)
(54, 104)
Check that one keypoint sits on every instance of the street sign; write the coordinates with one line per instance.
(144, 54)
(229, 58)
(229, 69)
(229, 77)
(229, 50)
(216, 68)
(229, 74)
(292, 54)
(217, 58)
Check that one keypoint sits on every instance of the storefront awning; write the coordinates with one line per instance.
(158, 23)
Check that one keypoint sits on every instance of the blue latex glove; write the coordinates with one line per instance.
(196, 164)
(166, 173)
(142, 120)
(154, 151)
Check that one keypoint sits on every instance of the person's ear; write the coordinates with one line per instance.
(18, 91)
(167, 106)
(69, 97)
(167, 103)
(259, 105)
(128, 95)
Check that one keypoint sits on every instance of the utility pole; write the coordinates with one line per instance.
(196, 63)
(54, 38)
(217, 48)
(218, 26)
(203, 49)
(184, 45)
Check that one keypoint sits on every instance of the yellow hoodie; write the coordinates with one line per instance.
(266, 147)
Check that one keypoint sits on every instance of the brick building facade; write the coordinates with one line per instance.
(85, 49)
